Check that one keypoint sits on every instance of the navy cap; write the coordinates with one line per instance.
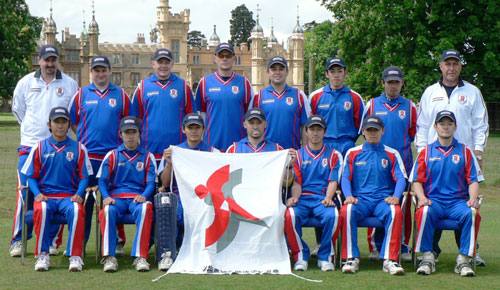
(193, 118)
(277, 59)
(224, 46)
(335, 61)
(445, 114)
(100, 60)
(373, 121)
(129, 122)
(451, 53)
(316, 120)
(163, 53)
(392, 73)
(255, 113)
(47, 51)
(58, 112)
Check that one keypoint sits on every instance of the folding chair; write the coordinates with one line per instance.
(444, 225)
(27, 219)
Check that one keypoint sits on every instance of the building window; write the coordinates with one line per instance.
(135, 59)
(238, 60)
(116, 78)
(174, 45)
(34, 59)
(196, 59)
(72, 55)
(116, 59)
(75, 75)
(135, 78)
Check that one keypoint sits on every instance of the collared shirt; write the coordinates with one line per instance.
(285, 112)
(446, 172)
(244, 146)
(33, 99)
(97, 116)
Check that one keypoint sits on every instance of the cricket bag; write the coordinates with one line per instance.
(166, 224)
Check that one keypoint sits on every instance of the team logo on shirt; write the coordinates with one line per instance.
(140, 166)
(235, 90)
(70, 156)
(59, 92)
(455, 158)
(385, 163)
(173, 93)
(347, 106)
(289, 101)
(402, 114)
(462, 99)
(112, 103)
(324, 162)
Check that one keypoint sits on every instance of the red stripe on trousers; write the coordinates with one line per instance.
(290, 235)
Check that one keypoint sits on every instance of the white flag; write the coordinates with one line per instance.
(233, 214)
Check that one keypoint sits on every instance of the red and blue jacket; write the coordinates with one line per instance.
(244, 146)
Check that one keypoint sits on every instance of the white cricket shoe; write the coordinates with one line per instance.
(119, 250)
(314, 252)
(479, 261)
(428, 264)
(42, 262)
(75, 263)
(392, 268)
(110, 264)
(165, 262)
(141, 264)
(374, 255)
(16, 249)
(326, 266)
(463, 266)
(53, 251)
(406, 257)
(300, 266)
(351, 266)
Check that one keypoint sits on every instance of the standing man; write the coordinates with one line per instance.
(95, 114)
(446, 180)
(400, 118)
(465, 100)
(58, 169)
(161, 101)
(341, 107)
(225, 97)
(373, 182)
(34, 96)
(286, 108)
(318, 168)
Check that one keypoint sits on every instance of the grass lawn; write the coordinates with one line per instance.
(14, 275)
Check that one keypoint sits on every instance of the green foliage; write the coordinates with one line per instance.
(18, 32)
(194, 38)
(241, 25)
(371, 35)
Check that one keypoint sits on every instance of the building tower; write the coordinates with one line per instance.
(297, 55)
(214, 39)
(272, 38)
(84, 55)
(50, 29)
(93, 35)
(258, 66)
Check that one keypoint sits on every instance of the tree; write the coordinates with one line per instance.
(372, 35)
(241, 25)
(18, 32)
(194, 38)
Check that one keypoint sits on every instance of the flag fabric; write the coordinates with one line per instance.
(233, 214)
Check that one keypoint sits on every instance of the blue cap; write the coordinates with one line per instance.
(255, 113)
(47, 51)
(100, 60)
(224, 46)
(373, 121)
(335, 61)
(193, 118)
(445, 114)
(451, 53)
(392, 73)
(58, 112)
(277, 59)
(129, 122)
(163, 53)
(316, 120)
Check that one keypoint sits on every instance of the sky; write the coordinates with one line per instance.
(120, 20)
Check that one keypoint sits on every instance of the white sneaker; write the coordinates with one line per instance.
(53, 251)
(392, 268)
(75, 263)
(427, 265)
(351, 266)
(42, 262)
(16, 249)
(463, 266)
(374, 255)
(110, 264)
(479, 261)
(300, 266)
(141, 264)
(165, 262)
(119, 250)
(424, 269)
(314, 252)
(326, 266)
(406, 257)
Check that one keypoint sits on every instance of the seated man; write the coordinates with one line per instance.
(58, 169)
(373, 181)
(126, 180)
(317, 173)
(441, 171)
(193, 127)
